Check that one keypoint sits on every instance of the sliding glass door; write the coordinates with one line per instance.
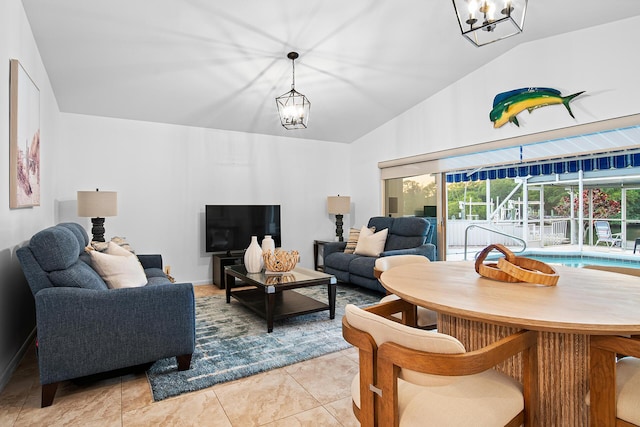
(414, 196)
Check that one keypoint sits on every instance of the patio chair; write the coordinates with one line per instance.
(603, 231)
(559, 232)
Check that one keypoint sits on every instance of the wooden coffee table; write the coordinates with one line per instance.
(273, 297)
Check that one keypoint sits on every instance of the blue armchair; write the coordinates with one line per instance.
(407, 235)
(84, 328)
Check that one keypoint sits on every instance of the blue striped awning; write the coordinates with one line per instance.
(618, 161)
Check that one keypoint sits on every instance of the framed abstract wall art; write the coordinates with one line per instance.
(24, 139)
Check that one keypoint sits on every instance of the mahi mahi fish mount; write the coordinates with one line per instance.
(507, 105)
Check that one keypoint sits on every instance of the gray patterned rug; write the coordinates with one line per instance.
(232, 342)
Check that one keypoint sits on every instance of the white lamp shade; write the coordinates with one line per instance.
(338, 204)
(97, 204)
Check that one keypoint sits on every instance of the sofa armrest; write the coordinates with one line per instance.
(332, 247)
(428, 250)
(151, 261)
(83, 331)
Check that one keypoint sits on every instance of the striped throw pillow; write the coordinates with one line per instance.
(354, 234)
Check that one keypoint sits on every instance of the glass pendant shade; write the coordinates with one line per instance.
(486, 21)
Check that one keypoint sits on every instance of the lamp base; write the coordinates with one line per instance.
(339, 228)
(98, 229)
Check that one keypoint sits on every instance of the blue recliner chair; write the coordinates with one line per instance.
(84, 328)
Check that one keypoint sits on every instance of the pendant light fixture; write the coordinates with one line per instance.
(293, 107)
(487, 21)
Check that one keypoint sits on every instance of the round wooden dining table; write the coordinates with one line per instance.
(479, 311)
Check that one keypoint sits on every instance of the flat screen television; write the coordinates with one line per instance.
(229, 228)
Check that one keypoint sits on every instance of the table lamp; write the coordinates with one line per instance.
(339, 205)
(97, 205)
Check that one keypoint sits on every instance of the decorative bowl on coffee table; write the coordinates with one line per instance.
(278, 261)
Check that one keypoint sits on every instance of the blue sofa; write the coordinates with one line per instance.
(84, 328)
(407, 235)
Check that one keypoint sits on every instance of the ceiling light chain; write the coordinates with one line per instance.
(293, 68)
(293, 107)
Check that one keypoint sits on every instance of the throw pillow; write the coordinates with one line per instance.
(372, 245)
(115, 249)
(120, 241)
(98, 246)
(118, 271)
(354, 233)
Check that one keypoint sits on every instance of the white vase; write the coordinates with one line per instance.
(268, 244)
(253, 257)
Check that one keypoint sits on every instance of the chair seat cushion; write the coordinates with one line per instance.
(486, 399)
(628, 389)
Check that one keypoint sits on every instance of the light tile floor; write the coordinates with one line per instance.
(311, 393)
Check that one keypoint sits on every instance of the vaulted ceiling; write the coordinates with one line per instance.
(220, 64)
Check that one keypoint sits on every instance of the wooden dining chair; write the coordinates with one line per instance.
(425, 318)
(414, 377)
(614, 381)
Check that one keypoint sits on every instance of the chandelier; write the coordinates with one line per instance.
(487, 21)
(293, 107)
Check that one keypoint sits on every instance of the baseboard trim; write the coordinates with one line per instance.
(15, 361)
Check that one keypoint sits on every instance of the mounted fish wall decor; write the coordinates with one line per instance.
(507, 105)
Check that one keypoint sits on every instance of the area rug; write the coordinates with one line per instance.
(232, 342)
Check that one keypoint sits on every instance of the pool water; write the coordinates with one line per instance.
(579, 261)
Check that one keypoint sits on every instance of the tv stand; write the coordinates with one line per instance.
(220, 261)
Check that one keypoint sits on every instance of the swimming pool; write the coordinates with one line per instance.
(577, 259)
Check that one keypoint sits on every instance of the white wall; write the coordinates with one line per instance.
(600, 60)
(17, 316)
(165, 175)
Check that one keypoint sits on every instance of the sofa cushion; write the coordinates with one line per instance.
(118, 271)
(158, 280)
(79, 232)
(340, 275)
(55, 248)
(154, 272)
(362, 266)
(371, 245)
(407, 233)
(339, 260)
(79, 275)
(380, 222)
